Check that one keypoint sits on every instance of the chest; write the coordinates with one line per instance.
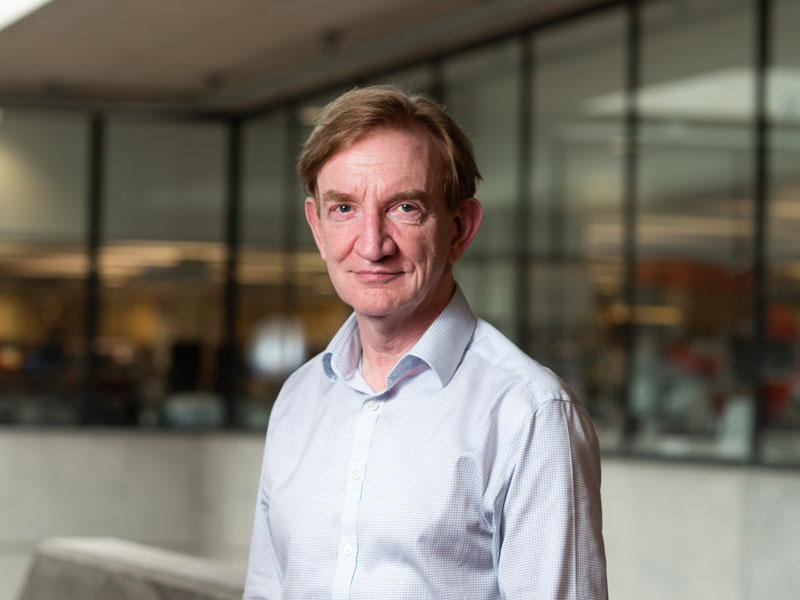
(388, 477)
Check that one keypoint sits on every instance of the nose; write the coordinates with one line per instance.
(374, 241)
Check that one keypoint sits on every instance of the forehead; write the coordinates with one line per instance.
(386, 155)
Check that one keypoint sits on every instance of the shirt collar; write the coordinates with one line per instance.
(341, 357)
(441, 347)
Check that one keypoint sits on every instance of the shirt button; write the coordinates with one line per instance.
(372, 405)
(356, 475)
(347, 550)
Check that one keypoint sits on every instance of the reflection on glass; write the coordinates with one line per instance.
(576, 272)
(416, 80)
(263, 270)
(43, 266)
(690, 378)
(482, 95)
(162, 272)
(781, 391)
(490, 286)
(285, 286)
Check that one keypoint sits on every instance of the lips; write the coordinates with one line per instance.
(375, 276)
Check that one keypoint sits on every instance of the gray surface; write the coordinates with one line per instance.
(114, 569)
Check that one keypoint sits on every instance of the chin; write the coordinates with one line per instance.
(371, 303)
(375, 309)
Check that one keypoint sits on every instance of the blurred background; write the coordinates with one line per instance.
(641, 164)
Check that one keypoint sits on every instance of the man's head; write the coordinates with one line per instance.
(361, 111)
(381, 213)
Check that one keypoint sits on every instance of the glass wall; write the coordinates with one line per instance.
(691, 390)
(264, 268)
(482, 93)
(161, 270)
(576, 216)
(619, 244)
(781, 390)
(43, 265)
(288, 310)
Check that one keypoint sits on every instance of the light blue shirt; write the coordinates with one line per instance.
(474, 474)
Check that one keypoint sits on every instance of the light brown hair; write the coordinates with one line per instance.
(361, 111)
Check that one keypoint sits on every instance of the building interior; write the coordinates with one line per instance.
(641, 237)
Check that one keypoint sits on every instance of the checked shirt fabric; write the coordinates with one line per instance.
(474, 474)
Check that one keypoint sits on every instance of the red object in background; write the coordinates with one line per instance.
(682, 355)
(781, 323)
(776, 393)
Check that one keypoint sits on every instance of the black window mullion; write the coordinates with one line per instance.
(763, 10)
(630, 201)
(229, 353)
(89, 410)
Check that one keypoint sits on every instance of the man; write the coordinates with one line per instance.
(422, 455)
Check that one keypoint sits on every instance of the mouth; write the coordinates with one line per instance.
(375, 276)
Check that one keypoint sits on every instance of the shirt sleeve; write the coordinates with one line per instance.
(263, 576)
(551, 541)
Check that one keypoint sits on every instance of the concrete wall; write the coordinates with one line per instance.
(185, 492)
(672, 531)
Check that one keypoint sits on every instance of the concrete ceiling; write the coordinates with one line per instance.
(232, 54)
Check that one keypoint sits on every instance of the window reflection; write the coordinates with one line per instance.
(781, 393)
(43, 266)
(576, 274)
(415, 80)
(482, 95)
(162, 270)
(554, 285)
(690, 373)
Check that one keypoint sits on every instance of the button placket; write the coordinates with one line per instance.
(356, 475)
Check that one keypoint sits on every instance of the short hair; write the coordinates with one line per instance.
(361, 111)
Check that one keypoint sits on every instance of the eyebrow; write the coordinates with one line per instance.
(421, 195)
(332, 196)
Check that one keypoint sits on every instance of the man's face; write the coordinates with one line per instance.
(382, 226)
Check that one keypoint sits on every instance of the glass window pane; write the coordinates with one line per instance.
(262, 269)
(576, 270)
(164, 182)
(288, 309)
(690, 380)
(482, 95)
(43, 265)
(781, 439)
(415, 80)
(162, 273)
(490, 286)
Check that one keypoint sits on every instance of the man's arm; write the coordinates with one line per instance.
(551, 545)
(263, 579)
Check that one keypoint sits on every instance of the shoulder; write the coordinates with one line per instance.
(300, 386)
(513, 373)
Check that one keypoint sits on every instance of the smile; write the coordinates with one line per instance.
(375, 276)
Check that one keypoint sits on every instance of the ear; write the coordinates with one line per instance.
(312, 216)
(467, 219)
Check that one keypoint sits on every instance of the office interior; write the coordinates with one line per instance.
(641, 189)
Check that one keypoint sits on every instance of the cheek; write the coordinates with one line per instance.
(336, 245)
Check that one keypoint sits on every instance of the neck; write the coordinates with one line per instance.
(384, 340)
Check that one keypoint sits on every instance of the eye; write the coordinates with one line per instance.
(343, 208)
(407, 208)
